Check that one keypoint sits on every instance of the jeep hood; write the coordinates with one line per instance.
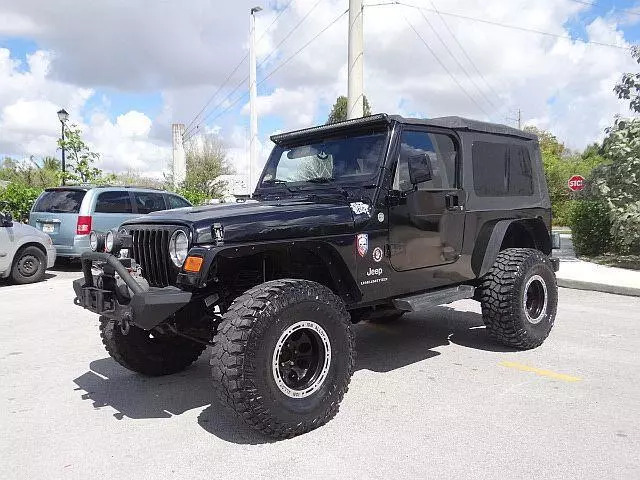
(261, 221)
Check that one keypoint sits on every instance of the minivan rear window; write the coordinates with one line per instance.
(114, 202)
(60, 201)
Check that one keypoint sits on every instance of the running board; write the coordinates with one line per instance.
(434, 298)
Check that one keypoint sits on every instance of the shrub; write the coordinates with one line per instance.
(590, 227)
(18, 199)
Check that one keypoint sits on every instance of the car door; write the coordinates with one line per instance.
(6, 248)
(56, 212)
(426, 221)
(111, 209)
(147, 202)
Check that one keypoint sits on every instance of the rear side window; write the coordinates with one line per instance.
(174, 201)
(501, 169)
(114, 202)
(148, 202)
(60, 201)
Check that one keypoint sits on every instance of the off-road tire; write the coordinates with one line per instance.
(241, 360)
(502, 295)
(146, 352)
(29, 266)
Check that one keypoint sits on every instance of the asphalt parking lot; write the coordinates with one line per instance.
(432, 397)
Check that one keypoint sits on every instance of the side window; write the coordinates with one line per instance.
(148, 202)
(441, 151)
(113, 202)
(174, 201)
(501, 169)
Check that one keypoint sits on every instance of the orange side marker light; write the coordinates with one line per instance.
(193, 264)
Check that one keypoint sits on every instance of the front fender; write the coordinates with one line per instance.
(337, 254)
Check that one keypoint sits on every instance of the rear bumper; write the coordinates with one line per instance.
(144, 308)
(51, 256)
(80, 245)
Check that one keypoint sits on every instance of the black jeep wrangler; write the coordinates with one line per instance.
(363, 219)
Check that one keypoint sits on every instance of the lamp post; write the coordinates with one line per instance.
(63, 116)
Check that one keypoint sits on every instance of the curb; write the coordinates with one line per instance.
(598, 287)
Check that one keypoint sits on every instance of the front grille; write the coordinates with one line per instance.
(151, 251)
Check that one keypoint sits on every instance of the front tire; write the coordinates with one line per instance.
(284, 356)
(151, 353)
(519, 298)
(29, 266)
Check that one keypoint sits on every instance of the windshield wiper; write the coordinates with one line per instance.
(277, 181)
(321, 180)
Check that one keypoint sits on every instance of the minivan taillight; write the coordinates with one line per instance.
(84, 225)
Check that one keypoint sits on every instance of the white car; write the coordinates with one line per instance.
(25, 252)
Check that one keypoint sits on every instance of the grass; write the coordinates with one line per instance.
(630, 262)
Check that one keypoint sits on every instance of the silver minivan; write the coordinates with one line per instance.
(69, 214)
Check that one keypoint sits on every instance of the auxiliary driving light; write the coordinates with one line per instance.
(110, 241)
(96, 241)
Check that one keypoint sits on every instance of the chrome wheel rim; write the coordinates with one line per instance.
(535, 299)
(301, 359)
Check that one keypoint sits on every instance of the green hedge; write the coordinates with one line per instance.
(18, 200)
(590, 227)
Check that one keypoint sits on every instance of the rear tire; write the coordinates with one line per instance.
(150, 353)
(29, 266)
(519, 298)
(284, 356)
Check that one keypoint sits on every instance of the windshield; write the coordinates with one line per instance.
(348, 159)
(60, 201)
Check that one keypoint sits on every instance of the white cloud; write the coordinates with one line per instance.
(186, 50)
(29, 125)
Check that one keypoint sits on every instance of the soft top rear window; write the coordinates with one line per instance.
(60, 201)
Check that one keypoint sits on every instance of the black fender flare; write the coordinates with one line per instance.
(492, 234)
(338, 267)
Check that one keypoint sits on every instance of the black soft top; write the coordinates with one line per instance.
(453, 123)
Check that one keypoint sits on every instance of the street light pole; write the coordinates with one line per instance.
(253, 93)
(63, 116)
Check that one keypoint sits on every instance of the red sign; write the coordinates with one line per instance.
(576, 183)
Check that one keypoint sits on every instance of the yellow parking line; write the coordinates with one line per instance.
(540, 371)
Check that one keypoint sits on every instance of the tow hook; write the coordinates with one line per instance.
(125, 326)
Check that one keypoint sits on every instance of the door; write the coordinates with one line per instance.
(6, 248)
(426, 220)
(56, 214)
(112, 208)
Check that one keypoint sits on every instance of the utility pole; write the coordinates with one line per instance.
(519, 120)
(355, 95)
(253, 94)
(179, 157)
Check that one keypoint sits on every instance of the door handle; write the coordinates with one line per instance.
(452, 202)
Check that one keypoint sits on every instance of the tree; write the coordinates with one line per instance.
(618, 183)
(79, 157)
(206, 160)
(339, 110)
(629, 86)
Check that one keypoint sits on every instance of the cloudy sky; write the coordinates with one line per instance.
(127, 70)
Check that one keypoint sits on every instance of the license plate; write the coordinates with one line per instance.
(48, 228)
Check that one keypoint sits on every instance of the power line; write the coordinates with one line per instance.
(208, 102)
(464, 51)
(498, 24)
(445, 67)
(464, 70)
(264, 60)
(270, 74)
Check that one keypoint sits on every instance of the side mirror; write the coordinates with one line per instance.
(419, 169)
(6, 220)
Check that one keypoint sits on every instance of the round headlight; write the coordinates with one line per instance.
(93, 241)
(178, 247)
(109, 241)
